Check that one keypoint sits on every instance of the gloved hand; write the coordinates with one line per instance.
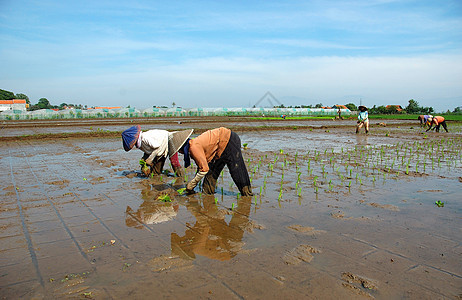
(192, 184)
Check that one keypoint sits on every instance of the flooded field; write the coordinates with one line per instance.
(334, 215)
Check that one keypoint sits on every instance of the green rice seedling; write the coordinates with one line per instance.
(164, 198)
(216, 200)
(232, 206)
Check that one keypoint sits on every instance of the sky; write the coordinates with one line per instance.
(231, 53)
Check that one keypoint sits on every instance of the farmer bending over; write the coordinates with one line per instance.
(211, 151)
(437, 121)
(424, 119)
(155, 145)
(363, 119)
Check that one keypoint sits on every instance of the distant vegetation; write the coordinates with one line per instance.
(42, 103)
(412, 108)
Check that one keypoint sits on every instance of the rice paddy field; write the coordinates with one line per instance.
(334, 215)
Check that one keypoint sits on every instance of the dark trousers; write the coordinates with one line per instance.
(444, 126)
(232, 158)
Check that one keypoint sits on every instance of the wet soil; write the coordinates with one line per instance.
(334, 215)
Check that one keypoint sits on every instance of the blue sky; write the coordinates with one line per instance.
(230, 53)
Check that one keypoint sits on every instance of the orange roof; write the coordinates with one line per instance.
(14, 101)
(398, 107)
(106, 107)
(340, 106)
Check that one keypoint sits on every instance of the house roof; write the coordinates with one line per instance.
(13, 101)
(398, 107)
(106, 107)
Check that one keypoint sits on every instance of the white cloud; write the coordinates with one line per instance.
(242, 81)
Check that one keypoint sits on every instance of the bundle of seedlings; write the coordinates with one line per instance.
(145, 169)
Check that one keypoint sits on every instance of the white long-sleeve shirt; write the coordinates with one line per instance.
(154, 143)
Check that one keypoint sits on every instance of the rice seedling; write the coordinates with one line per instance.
(164, 198)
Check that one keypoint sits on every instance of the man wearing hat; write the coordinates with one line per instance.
(156, 147)
(424, 120)
(363, 119)
(211, 151)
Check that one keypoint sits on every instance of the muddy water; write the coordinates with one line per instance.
(334, 215)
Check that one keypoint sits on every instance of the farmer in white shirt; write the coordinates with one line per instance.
(156, 147)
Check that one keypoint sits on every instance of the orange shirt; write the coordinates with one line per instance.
(208, 146)
(437, 120)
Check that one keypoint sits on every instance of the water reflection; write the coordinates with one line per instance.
(211, 235)
(361, 139)
(217, 232)
(150, 212)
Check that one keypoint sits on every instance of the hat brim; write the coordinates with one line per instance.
(177, 139)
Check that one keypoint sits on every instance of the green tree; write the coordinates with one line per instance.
(22, 96)
(351, 106)
(413, 107)
(6, 95)
(43, 103)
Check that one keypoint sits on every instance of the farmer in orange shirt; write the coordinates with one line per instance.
(211, 151)
(437, 121)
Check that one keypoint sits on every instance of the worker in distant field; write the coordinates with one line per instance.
(424, 119)
(437, 121)
(363, 119)
(211, 151)
(156, 145)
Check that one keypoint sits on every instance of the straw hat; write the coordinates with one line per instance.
(176, 139)
(362, 107)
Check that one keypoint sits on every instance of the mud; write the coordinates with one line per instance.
(334, 215)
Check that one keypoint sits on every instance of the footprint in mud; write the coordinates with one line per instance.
(64, 182)
(360, 285)
(305, 230)
(299, 254)
(164, 263)
(252, 225)
(386, 206)
(341, 215)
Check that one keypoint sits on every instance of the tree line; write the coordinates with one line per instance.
(412, 108)
(42, 103)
